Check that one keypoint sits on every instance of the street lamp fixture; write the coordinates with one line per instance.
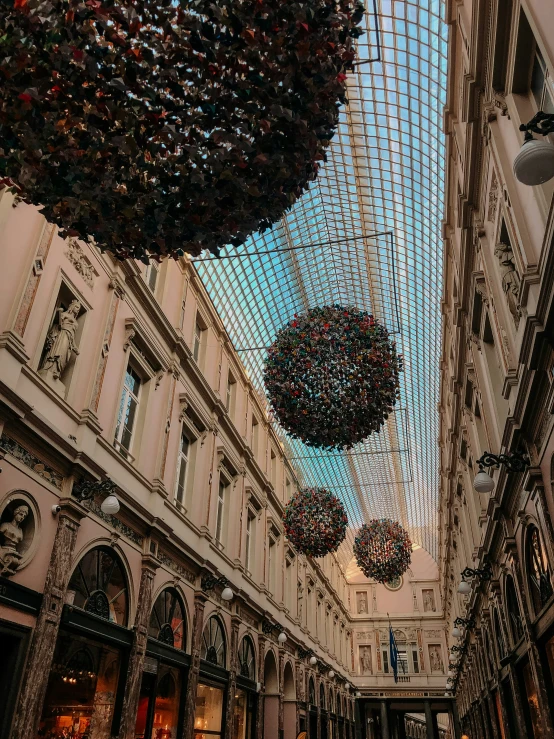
(484, 573)
(87, 490)
(535, 162)
(513, 461)
(313, 660)
(209, 582)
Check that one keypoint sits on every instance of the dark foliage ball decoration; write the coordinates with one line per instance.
(158, 127)
(315, 521)
(383, 550)
(332, 376)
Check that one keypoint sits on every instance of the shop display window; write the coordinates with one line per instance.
(533, 710)
(209, 712)
(81, 691)
(243, 715)
(158, 710)
(98, 586)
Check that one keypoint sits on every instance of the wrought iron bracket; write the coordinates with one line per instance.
(483, 573)
(460, 650)
(268, 627)
(541, 123)
(89, 489)
(209, 582)
(468, 623)
(303, 653)
(513, 461)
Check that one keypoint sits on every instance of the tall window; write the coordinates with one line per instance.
(514, 613)
(250, 540)
(197, 341)
(221, 514)
(542, 85)
(151, 275)
(128, 411)
(255, 436)
(271, 557)
(273, 468)
(231, 393)
(182, 469)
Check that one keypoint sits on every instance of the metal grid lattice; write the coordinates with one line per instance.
(367, 235)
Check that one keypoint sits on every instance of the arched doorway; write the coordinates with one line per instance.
(271, 697)
(289, 692)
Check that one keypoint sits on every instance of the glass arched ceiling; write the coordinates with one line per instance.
(367, 234)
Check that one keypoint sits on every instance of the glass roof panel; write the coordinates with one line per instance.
(367, 234)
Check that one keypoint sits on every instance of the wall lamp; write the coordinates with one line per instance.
(535, 162)
(89, 489)
(268, 628)
(303, 653)
(209, 582)
(513, 461)
(460, 650)
(467, 623)
(484, 573)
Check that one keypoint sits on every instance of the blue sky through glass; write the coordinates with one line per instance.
(374, 216)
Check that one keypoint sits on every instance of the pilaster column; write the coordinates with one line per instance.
(138, 649)
(454, 715)
(281, 713)
(385, 724)
(43, 643)
(261, 679)
(233, 664)
(492, 713)
(200, 599)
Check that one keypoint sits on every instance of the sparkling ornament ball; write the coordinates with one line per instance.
(315, 521)
(332, 376)
(383, 550)
(156, 128)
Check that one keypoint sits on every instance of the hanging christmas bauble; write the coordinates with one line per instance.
(332, 376)
(315, 521)
(383, 550)
(158, 127)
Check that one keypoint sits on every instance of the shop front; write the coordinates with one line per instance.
(84, 695)
(246, 694)
(160, 712)
(213, 682)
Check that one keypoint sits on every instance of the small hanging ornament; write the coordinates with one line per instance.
(156, 128)
(315, 521)
(383, 550)
(332, 376)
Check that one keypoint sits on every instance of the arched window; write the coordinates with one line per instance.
(99, 586)
(167, 620)
(538, 570)
(514, 613)
(321, 696)
(213, 642)
(247, 660)
(311, 692)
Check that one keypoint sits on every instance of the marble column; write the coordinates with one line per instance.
(233, 665)
(138, 649)
(430, 722)
(357, 720)
(385, 724)
(200, 599)
(455, 720)
(43, 643)
(260, 712)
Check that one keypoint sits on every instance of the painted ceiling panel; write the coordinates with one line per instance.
(367, 234)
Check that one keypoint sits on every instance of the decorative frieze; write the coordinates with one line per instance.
(81, 263)
(10, 446)
(116, 524)
(177, 567)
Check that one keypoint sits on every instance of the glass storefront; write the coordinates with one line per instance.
(159, 703)
(208, 718)
(81, 691)
(243, 715)
(532, 702)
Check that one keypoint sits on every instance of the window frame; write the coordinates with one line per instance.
(126, 451)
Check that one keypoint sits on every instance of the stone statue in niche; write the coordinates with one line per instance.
(11, 534)
(435, 658)
(362, 602)
(428, 600)
(511, 283)
(60, 345)
(365, 661)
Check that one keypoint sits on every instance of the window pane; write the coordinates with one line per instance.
(166, 709)
(132, 381)
(537, 81)
(209, 704)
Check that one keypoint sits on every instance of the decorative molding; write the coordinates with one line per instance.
(116, 524)
(493, 197)
(10, 446)
(80, 261)
(34, 279)
(177, 567)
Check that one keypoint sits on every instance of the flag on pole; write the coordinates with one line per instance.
(393, 649)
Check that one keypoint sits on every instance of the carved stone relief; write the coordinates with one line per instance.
(361, 602)
(60, 346)
(81, 263)
(428, 600)
(511, 282)
(366, 667)
(18, 532)
(435, 658)
(493, 197)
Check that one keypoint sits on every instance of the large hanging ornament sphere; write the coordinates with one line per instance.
(383, 550)
(315, 521)
(332, 376)
(155, 127)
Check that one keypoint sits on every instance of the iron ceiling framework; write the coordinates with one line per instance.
(367, 234)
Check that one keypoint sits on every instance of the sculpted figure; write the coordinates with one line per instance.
(511, 282)
(60, 342)
(12, 536)
(365, 661)
(436, 661)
